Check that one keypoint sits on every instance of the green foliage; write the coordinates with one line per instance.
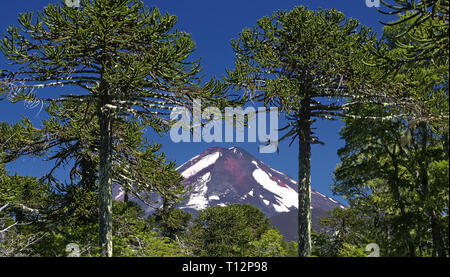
(271, 244)
(129, 56)
(298, 54)
(349, 250)
(173, 223)
(324, 245)
(351, 229)
(135, 237)
(146, 245)
(395, 176)
(18, 190)
(42, 222)
(410, 61)
(235, 231)
(70, 137)
(427, 24)
(426, 80)
(22, 201)
(227, 231)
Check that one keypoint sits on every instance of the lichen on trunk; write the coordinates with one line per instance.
(304, 181)
(105, 184)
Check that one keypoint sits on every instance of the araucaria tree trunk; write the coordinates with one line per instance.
(105, 182)
(304, 183)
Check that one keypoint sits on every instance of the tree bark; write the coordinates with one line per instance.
(105, 182)
(304, 181)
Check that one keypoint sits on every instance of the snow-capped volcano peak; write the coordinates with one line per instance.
(220, 176)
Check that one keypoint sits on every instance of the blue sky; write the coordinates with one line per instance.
(212, 25)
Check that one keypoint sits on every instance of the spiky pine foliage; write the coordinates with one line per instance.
(427, 26)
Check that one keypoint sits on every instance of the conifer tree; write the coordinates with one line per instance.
(301, 61)
(124, 59)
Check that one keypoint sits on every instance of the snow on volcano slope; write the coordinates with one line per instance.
(286, 196)
(200, 165)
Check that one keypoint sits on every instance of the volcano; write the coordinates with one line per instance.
(220, 176)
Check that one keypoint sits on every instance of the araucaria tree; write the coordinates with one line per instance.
(121, 58)
(428, 22)
(302, 62)
(395, 179)
(416, 43)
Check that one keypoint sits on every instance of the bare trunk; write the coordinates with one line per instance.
(126, 198)
(304, 182)
(105, 179)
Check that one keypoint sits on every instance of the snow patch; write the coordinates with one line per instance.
(213, 197)
(280, 208)
(190, 160)
(279, 172)
(197, 199)
(251, 193)
(332, 200)
(321, 194)
(287, 197)
(121, 194)
(202, 164)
